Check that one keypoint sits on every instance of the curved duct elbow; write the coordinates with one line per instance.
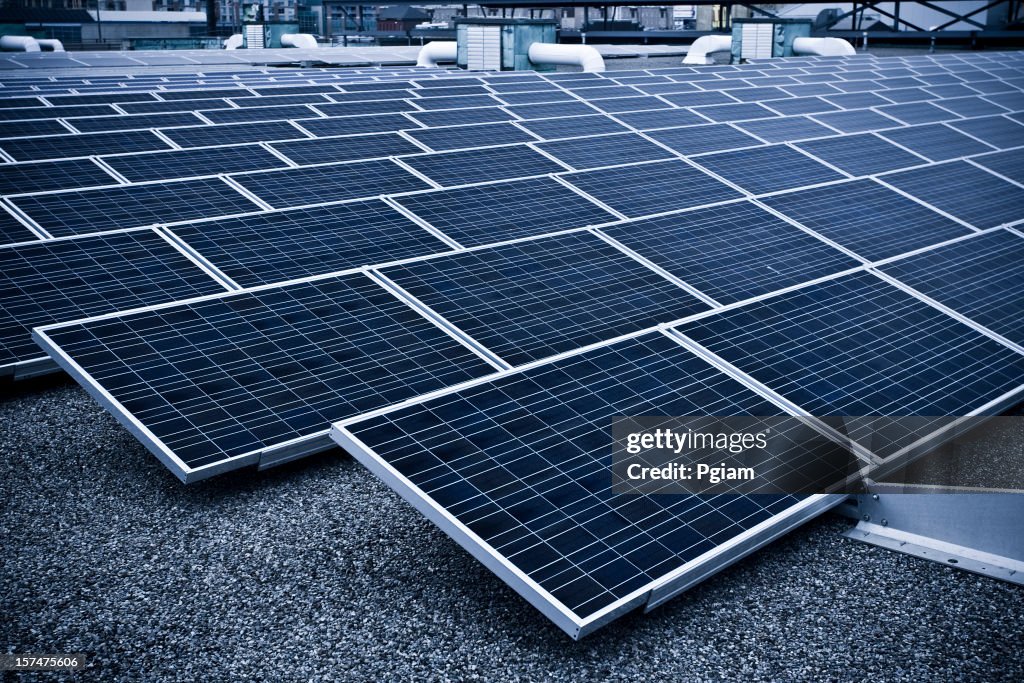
(50, 45)
(583, 56)
(19, 44)
(700, 51)
(234, 42)
(301, 40)
(824, 47)
(437, 51)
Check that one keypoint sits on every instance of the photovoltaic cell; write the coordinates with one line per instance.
(964, 191)
(52, 175)
(84, 211)
(768, 169)
(700, 139)
(1009, 164)
(226, 134)
(971, 106)
(459, 117)
(463, 137)
(786, 129)
(573, 126)
(482, 165)
(275, 246)
(605, 150)
(997, 131)
(801, 105)
(56, 280)
(334, 182)
(17, 129)
(936, 141)
(867, 218)
(533, 299)
(981, 278)
(251, 114)
(857, 121)
(917, 112)
(552, 111)
(360, 108)
(101, 124)
(349, 148)
(351, 125)
(62, 146)
(698, 99)
(859, 346)
(671, 118)
(861, 154)
(192, 162)
(522, 463)
(482, 214)
(732, 252)
(55, 112)
(227, 377)
(735, 112)
(652, 188)
(11, 230)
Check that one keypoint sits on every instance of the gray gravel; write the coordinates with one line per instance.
(316, 571)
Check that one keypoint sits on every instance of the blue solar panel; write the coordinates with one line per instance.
(217, 381)
(351, 148)
(467, 102)
(278, 100)
(52, 175)
(768, 169)
(84, 211)
(786, 129)
(997, 131)
(534, 299)
(605, 150)
(11, 230)
(460, 117)
(192, 162)
(857, 121)
(652, 188)
(1009, 164)
(964, 191)
(351, 125)
(732, 252)
(936, 141)
(482, 165)
(867, 218)
(17, 129)
(861, 154)
(204, 94)
(735, 112)
(463, 137)
(668, 118)
(698, 99)
(268, 247)
(917, 112)
(971, 106)
(169, 107)
(56, 112)
(801, 105)
(504, 211)
(101, 124)
(626, 104)
(62, 146)
(573, 126)
(522, 463)
(858, 100)
(981, 278)
(262, 131)
(700, 139)
(252, 114)
(57, 280)
(333, 182)
(859, 346)
(551, 111)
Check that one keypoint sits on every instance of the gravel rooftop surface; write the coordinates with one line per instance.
(317, 571)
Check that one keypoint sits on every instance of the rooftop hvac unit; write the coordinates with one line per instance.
(500, 44)
(764, 38)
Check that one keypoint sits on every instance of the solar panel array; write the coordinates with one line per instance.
(470, 274)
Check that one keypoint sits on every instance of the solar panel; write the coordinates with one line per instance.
(504, 211)
(170, 107)
(226, 134)
(732, 252)
(735, 112)
(51, 175)
(17, 129)
(477, 135)
(856, 121)
(12, 230)
(252, 114)
(698, 99)
(529, 300)
(350, 125)
(49, 281)
(645, 189)
(63, 146)
(460, 117)
(209, 94)
(276, 100)
(981, 278)
(349, 148)
(997, 131)
(605, 150)
(859, 100)
(971, 106)
(85, 211)
(268, 247)
(535, 97)
(102, 98)
(768, 169)
(867, 218)
(917, 112)
(55, 112)
(963, 191)
(334, 182)
(101, 124)
(670, 118)
(936, 141)
(192, 162)
(551, 111)
(701, 139)
(217, 383)
(359, 108)
(859, 346)
(1008, 164)
(482, 165)
(861, 154)
(786, 129)
(801, 105)
(516, 469)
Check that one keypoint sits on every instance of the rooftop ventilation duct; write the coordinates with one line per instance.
(583, 56)
(825, 47)
(19, 44)
(300, 40)
(437, 51)
(700, 51)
